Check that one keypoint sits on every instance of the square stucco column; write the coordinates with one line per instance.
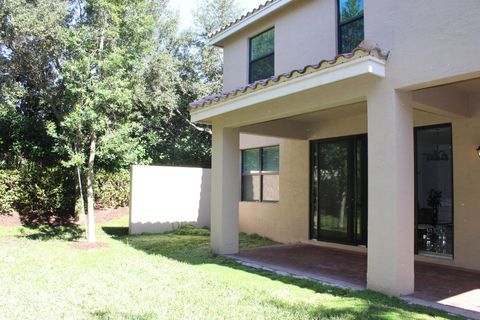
(225, 190)
(390, 192)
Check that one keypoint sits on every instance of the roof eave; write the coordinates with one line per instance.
(362, 66)
(219, 37)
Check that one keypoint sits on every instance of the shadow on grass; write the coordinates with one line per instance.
(45, 233)
(115, 232)
(191, 245)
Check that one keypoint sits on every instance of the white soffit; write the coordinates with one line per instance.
(358, 67)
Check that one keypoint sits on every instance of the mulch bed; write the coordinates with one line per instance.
(101, 216)
(89, 246)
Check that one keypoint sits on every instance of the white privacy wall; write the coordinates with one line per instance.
(164, 198)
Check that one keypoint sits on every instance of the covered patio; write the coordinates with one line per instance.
(376, 141)
(452, 289)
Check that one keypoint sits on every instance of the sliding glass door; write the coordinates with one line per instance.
(339, 190)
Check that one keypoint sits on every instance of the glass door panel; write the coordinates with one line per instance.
(334, 181)
(338, 179)
(361, 188)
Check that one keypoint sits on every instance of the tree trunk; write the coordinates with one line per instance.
(91, 237)
(81, 199)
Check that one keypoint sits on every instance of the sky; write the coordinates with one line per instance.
(185, 8)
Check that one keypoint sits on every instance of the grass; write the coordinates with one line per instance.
(167, 276)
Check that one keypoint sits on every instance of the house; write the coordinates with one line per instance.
(351, 124)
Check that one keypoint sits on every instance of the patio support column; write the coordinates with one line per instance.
(225, 190)
(390, 192)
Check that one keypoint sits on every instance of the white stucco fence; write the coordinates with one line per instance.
(164, 198)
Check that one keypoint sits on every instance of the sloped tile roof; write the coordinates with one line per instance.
(243, 17)
(361, 51)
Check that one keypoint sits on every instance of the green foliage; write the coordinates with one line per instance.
(46, 196)
(112, 189)
(9, 189)
(211, 15)
(116, 73)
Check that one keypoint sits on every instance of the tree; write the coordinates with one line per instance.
(29, 65)
(210, 16)
(104, 84)
(105, 44)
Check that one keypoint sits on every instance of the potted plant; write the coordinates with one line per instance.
(434, 201)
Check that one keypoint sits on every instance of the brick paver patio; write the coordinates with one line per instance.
(447, 286)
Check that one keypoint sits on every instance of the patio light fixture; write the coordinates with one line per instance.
(478, 151)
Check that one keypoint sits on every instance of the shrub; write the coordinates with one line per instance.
(9, 188)
(46, 196)
(112, 190)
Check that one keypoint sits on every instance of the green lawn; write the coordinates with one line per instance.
(169, 276)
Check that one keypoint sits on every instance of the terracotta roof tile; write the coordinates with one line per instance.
(361, 51)
(243, 17)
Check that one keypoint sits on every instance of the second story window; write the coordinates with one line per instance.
(350, 25)
(262, 56)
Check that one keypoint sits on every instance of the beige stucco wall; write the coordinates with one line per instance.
(287, 220)
(427, 40)
(430, 41)
(164, 198)
(284, 221)
(304, 24)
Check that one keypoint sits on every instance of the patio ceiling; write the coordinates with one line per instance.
(457, 99)
(302, 126)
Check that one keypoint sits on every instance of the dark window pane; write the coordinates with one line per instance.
(262, 45)
(262, 69)
(251, 161)
(350, 9)
(314, 195)
(251, 188)
(361, 191)
(351, 35)
(334, 183)
(271, 187)
(434, 190)
(270, 159)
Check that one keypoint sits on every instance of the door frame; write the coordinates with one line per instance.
(352, 190)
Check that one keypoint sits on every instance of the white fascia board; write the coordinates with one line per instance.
(247, 21)
(362, 66)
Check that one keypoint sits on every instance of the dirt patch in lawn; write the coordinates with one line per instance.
(101, 216)
(10, 220)
(89, 246)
